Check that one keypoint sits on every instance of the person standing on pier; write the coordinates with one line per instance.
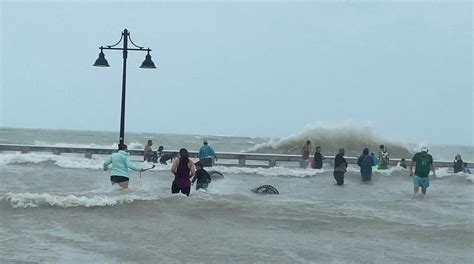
(318, 159)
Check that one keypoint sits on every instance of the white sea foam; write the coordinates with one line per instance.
(25, 200)
(132, 145)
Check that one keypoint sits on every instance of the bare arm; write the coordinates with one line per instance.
(411, 168)
(434, 170)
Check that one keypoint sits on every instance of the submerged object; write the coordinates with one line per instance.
(215, 175)
(265, 189)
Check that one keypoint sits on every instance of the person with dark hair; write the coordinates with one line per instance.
(206, 154)
(203, 178)
(318, 159)
(403, 163)
(121, 163)
(340, 167)
(148, 152)
(183, 169)
(458, 165)
(365, 163)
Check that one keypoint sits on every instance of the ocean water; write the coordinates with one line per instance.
(62, 209)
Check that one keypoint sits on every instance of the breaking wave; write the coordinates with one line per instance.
(352, 139)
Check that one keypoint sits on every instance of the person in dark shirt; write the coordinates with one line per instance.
(365, 163)
(424, 164)
(403, 163)
(318, 159)
(202, 176)
(340, 167)
(458, 164)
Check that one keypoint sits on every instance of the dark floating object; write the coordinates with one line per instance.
(265, 189)
(215, 175)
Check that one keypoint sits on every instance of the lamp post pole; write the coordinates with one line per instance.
(124, 80)
(102, 62)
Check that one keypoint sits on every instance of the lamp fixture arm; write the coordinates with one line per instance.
(129, 38)
(111, 46)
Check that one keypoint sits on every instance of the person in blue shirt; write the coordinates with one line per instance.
(121, 163)
(365, 163)
(206, 155)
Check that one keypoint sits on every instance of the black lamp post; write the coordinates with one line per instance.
(102, 62)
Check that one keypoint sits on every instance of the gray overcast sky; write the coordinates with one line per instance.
(242, 68)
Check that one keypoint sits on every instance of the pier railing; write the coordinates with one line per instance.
(224, 158)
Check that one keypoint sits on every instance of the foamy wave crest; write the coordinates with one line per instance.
(132, 145)
(61, 161)
(353, 139)
(28, 200)
(272, 171)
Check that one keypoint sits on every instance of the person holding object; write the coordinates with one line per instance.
(121, 163)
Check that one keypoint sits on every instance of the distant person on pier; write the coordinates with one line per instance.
(121, 163)
(305, 152)
(206, 155)
(183, 169)
(424, 163)
(148, 152)
(383, 158)
(458, 164)
(340, 167)
(365, 163)
(318, 159)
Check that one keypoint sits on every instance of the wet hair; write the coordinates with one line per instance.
(204, 142)
(365, 151)
(403, 159)
(382, 146)
(183, 156)
(342, 151)
(150, 141)
(160, 148)
(198, 164)
(122, 147)
(308, 142)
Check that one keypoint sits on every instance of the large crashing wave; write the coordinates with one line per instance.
(353, 140)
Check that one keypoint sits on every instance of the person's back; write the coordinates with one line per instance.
(458, 164)
(206, 154)
(183, 169)
(120, 164)
(423, 162)
(365, 163)
(202, 177)
(340, 167)
(318, 158)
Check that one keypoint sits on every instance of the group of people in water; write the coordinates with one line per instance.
(422, 161)
(183, 167)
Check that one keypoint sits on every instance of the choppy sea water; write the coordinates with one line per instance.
(62, 209)
(59, 209)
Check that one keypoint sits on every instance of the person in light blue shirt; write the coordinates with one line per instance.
(121, 163)
(206, 155)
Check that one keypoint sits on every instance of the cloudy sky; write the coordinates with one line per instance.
(248, 68)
